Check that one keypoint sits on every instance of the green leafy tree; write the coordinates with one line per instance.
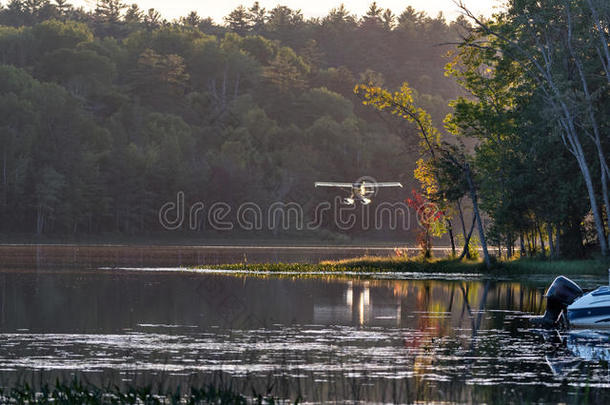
(553, 42)
(287, 71)
(159, 78)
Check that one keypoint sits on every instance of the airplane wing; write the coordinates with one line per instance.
(383, 184)
(332, 184)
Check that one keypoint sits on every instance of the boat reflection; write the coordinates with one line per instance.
(569, 351)
(590, 344)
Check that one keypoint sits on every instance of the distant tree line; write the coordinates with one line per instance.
(106, 114)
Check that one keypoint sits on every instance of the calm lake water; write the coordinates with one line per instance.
(322, 338)
(38, 256)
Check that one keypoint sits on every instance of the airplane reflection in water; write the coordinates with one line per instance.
(423, 304)
(356, 307)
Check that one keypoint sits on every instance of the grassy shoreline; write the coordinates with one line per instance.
(371, 264)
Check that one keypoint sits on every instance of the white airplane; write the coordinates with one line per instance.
(359, 190)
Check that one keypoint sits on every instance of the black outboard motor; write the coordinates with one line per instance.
(560, 294)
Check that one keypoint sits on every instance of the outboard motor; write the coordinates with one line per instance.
(560, 294)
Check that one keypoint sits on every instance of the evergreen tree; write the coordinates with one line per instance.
(109, 11)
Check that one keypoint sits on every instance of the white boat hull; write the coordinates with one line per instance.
(591, 310)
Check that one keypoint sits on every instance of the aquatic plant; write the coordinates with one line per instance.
(77, 392)
(402, 264)
(359, 388)
(366, 264)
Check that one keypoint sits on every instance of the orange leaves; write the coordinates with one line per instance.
(427, 212)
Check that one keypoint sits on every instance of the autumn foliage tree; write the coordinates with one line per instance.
(435, 155)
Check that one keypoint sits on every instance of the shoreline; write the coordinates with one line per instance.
(236, 245)
(523, 266)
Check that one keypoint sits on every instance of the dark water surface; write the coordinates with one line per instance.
(321, 338)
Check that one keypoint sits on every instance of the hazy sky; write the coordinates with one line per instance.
(310, 8)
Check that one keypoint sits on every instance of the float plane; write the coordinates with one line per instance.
(359, 190)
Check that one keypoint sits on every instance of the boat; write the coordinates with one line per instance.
(568, 305)
(592, 309)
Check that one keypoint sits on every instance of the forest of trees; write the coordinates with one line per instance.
(538, 81)
(539, 74)
(105, 115)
